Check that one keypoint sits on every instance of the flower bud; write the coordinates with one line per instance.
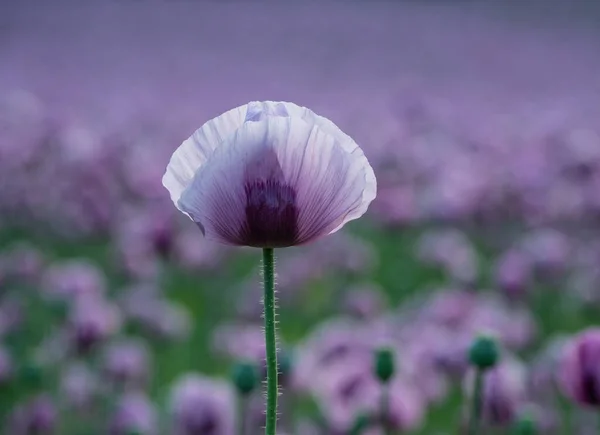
(245, 377)
(484, 353)
(384, 366)
(524, 426)
(31, 375)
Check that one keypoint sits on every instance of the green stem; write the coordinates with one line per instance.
(243, 414)
(385, 410)
(477, 404)
(270, 339)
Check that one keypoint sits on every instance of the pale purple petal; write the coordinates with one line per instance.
(276, 182)
(195, 150)
(285, 177)
(216, 198)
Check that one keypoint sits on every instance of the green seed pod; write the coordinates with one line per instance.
(384, 366)
(524, 426)
(245, 377)
(484, 353)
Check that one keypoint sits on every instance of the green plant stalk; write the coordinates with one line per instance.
(477, 403)
(385, 409)
(270, 339)
(243, 414)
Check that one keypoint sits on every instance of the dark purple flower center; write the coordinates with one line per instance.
(499, 410)
(271, 214)
(590, 376)
(202, 423)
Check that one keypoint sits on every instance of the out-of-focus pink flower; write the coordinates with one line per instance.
(513, 272)
(23, 261)
(270, 174)
(515, 328)
(36, 416)
(127, 362)
(135, 413)
(150, 228)
(201, 405)
(549, 250)
(333, 344)
(397, 205)
(364, 302)
(240, 342)
(544, 367)
(71, 279)
(407, 407)
(79, 386)
(195, 254)
(504, 393)
(352, 389)
(450, 307)
(146, 307)
(345, 253)
(91, 321)
(579, 369)
(451, 250)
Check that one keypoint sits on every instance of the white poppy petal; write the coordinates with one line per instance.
(329, 182)
(195, 150)
(348, 144)
(217, 198)
(286, 176)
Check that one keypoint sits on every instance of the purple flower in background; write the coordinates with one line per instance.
(194, 254)
(92, 320)
(202, 406)
(240, 342)
(364, 302)
(407, 406)
(549, 250)
(513, 272)
(69, 280)
(332, 346)
(505, 391)
(135, 413)
(579, 368)
(270, 174)
(127, 362)
(145, 306)
(23, 262)
(451, 250)
(79, 385)
(36, 416)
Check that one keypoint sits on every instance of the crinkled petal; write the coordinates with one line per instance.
(216, 199)
(349, 146)
(329, 181)
(279, 181)
(195, 150)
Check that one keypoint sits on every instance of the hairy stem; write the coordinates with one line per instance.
(270, 339)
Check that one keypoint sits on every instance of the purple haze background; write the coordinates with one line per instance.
(481, 121)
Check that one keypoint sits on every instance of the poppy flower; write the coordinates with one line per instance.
(579, 369)
(269, 175)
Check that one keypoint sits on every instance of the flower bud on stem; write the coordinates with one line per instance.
(384, 368)
(245, 379)
(483, 355)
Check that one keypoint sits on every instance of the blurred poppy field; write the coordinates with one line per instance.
(481, 124)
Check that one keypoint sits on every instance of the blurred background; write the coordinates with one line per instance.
(480, 119)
